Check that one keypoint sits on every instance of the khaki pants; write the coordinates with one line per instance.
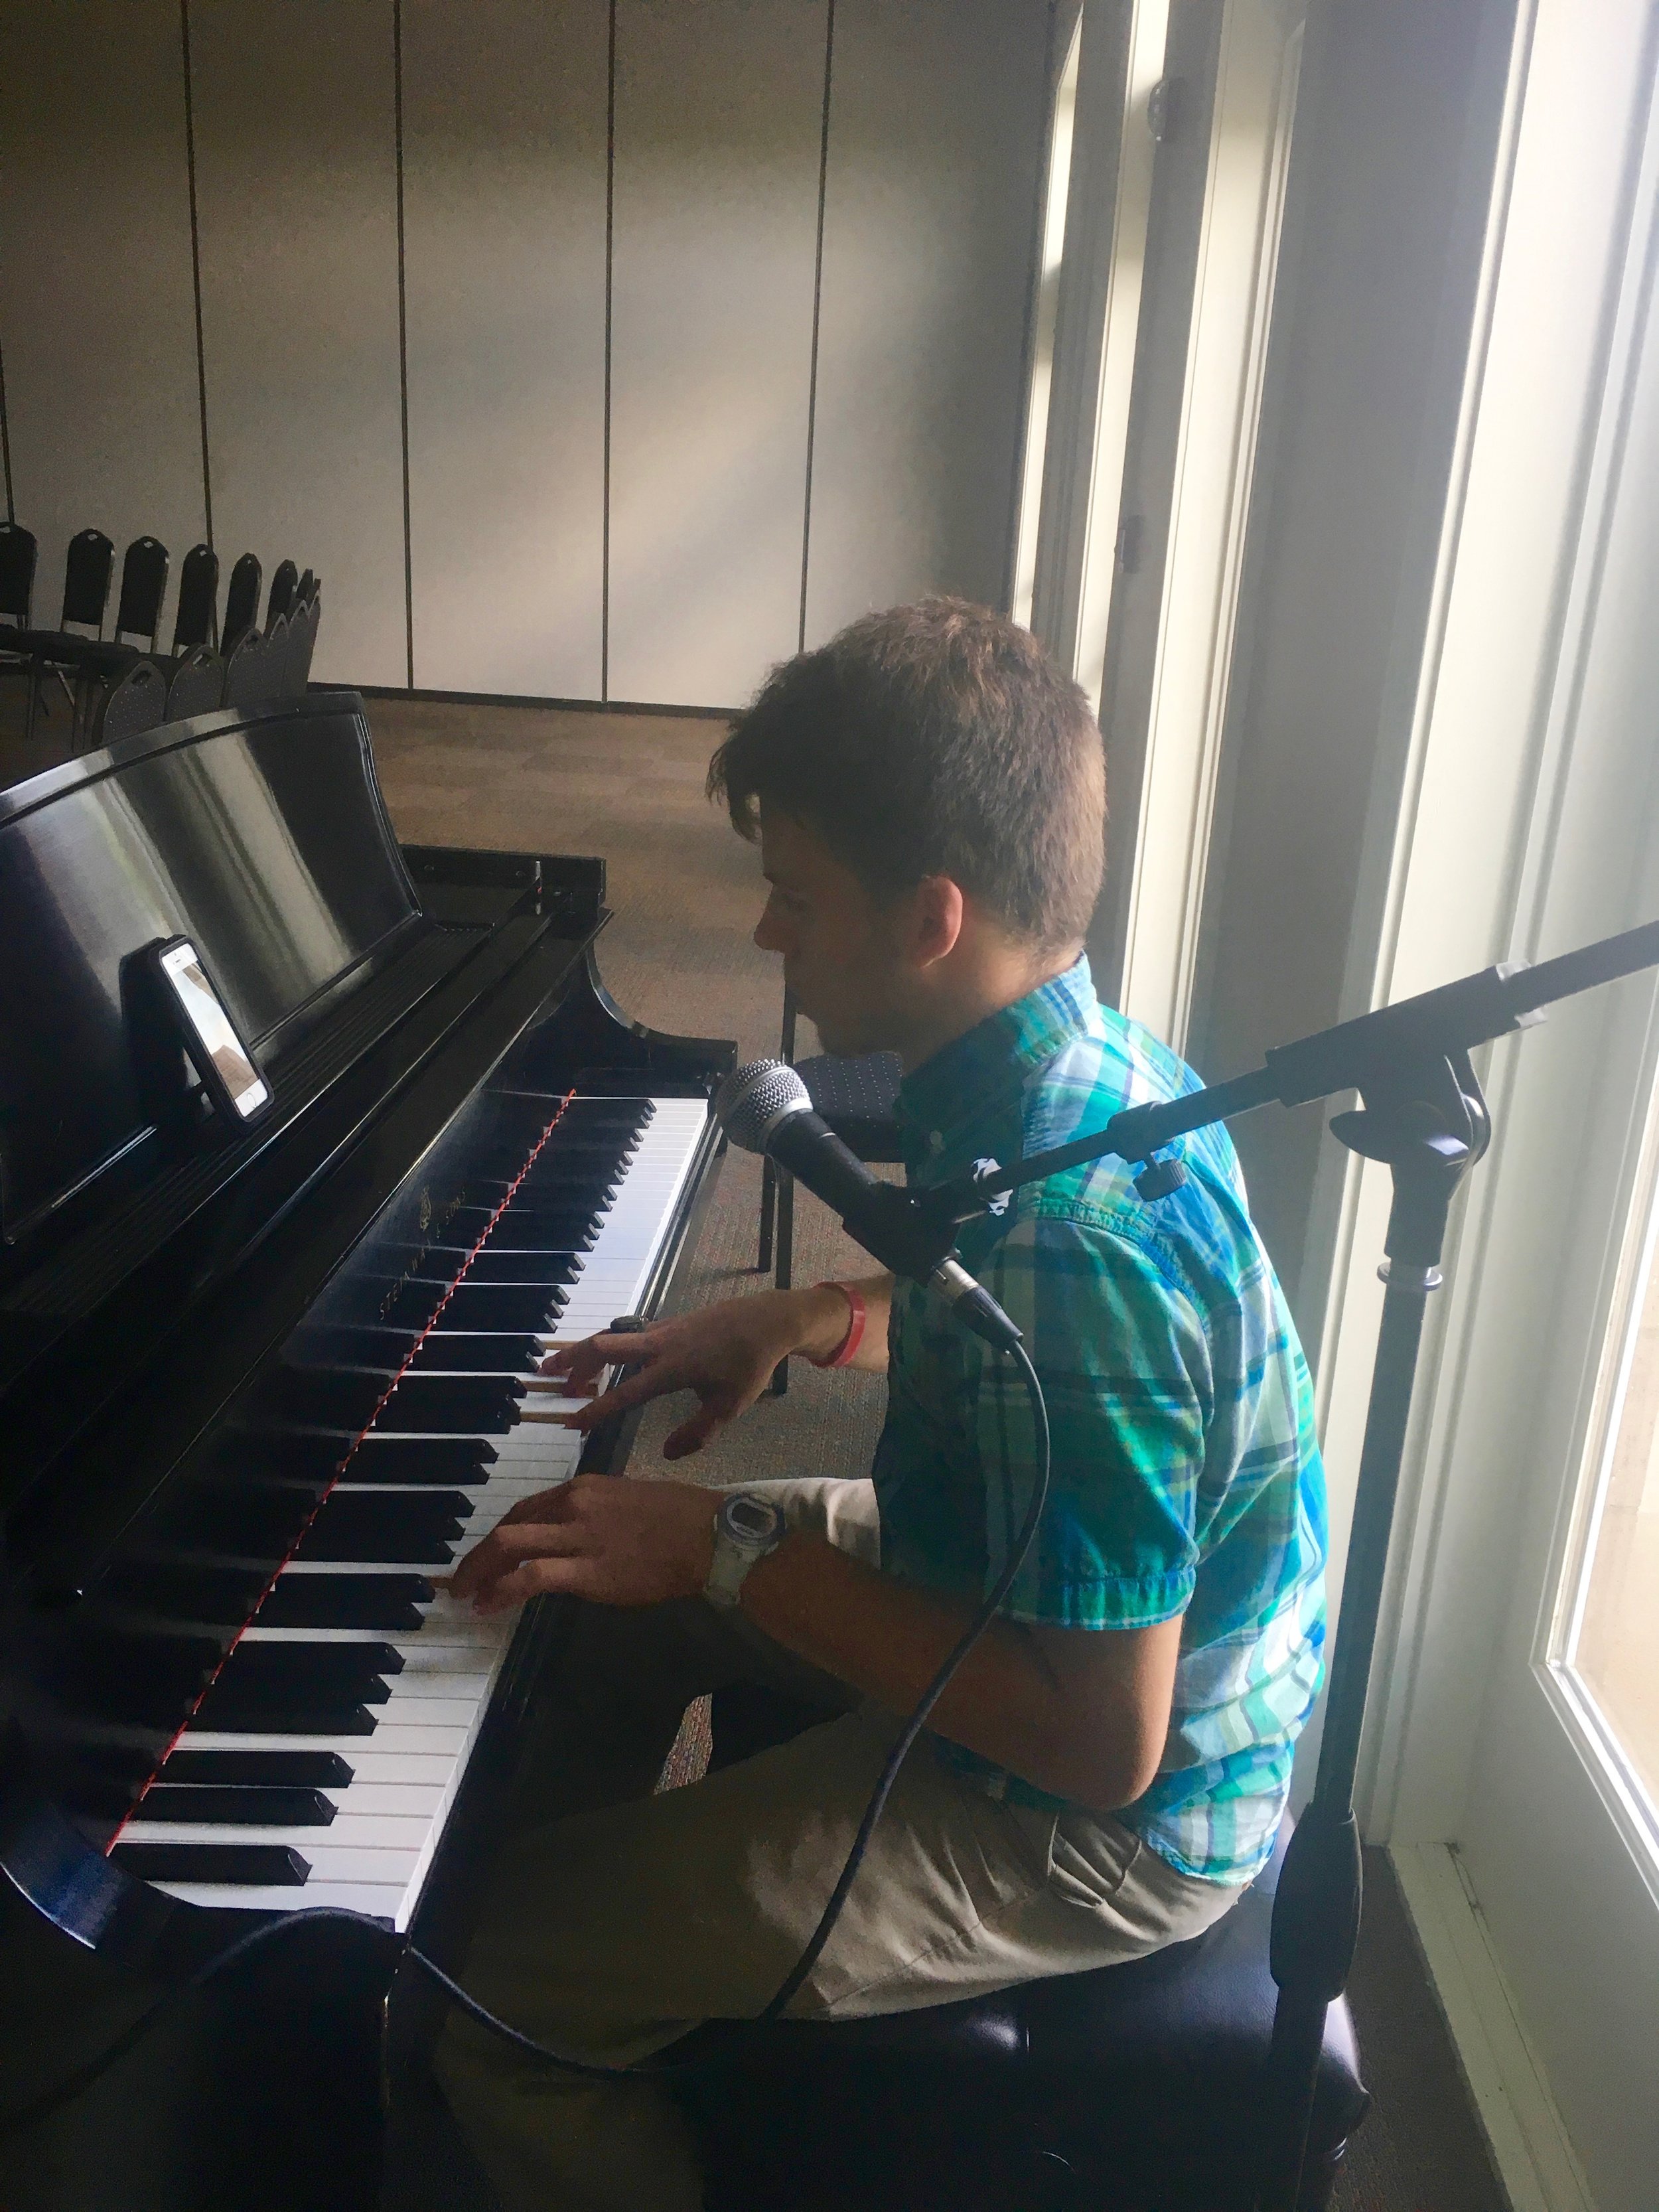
(620, 1919)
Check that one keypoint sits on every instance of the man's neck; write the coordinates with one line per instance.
(962, 1002)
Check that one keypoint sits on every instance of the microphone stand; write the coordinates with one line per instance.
(1423, 1115)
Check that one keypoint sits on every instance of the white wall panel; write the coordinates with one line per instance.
(97, 316)
(297, 178)
(935, 152)
(504, 201)
(719, 110)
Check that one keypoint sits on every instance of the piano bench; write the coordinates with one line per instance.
(1128, 2088)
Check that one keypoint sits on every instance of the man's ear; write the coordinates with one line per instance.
(937, 914)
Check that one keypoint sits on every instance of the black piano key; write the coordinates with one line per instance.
(282, 1453)
(261, 1866)
(382, 1601)
(536, 1228)
(324, 1397)
(294, 1662)
(420, 1459)
(145, 1681)
(217, 1596)
(246, 1718)
(268, 1709)
(351, 1344)
(511, 1264)
(309, 1769)
(388, 1514)
(449, 1352)
(236, 1806)
(406, 1540)
(499, 1306)
(250, 1520)
(452, 1405)
(475, 1306)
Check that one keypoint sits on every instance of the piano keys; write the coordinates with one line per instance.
(402, 1722)
(265, 1387)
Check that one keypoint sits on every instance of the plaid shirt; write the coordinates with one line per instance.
(1186, 1476)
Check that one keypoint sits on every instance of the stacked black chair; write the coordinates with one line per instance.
(241, 602)
(17, 561)
(285, 590)
(136, 703)
(196, 684)
(1130, 2089)
(251, 679)
(88, 567)
(303, 625)
(859, 1100)
(96, 662)
(195, 618)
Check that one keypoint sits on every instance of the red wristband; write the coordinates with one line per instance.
(842, 1354)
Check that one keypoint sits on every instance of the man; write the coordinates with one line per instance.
(1110, 1765)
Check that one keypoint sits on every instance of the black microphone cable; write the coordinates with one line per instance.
(42, 2107)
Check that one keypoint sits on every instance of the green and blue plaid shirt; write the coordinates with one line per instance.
(1186, 1476)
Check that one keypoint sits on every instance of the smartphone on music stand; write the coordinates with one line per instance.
(237, 1090)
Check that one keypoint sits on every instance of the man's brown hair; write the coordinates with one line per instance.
(937, 739)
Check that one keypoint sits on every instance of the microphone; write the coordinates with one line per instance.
(765, 1108)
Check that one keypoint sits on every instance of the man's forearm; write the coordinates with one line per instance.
(1006, 1701)
(825, 1315)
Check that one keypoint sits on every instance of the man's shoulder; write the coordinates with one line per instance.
(1200, 1237)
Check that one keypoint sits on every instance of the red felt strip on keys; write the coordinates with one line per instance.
(367, 1431)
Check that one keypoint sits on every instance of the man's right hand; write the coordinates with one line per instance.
(726, 1353)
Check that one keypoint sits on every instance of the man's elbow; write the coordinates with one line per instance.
(1104, 1776)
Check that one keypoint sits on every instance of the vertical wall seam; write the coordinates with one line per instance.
(196, 269)
(1051, 76)
(818, 303)
(402, 333)
(610, 275)
(5, 442)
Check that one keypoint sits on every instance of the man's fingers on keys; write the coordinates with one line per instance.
(503, 1548)
(576, 1577)
(545, 1505)
(655, 1381)
(610, 1349)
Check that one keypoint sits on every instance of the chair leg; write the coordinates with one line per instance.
(768, 1213)
(786, 1262)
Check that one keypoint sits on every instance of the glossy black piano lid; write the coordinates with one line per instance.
(261, 836)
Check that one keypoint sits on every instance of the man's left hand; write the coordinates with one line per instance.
(619, 1542)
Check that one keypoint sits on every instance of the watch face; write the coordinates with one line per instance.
(751, 1520)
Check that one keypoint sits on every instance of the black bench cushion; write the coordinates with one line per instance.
(1136, 2084)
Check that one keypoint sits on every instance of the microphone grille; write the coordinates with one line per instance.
(754, 1098)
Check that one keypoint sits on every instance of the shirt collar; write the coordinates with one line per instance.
(977, 1071)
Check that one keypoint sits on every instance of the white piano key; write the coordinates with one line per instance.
(388, 1832)
(442, 1739)
(375, 1900)
(422, 1798)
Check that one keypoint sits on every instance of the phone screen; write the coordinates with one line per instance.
(211, 1025)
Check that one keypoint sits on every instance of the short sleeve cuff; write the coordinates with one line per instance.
(1110, 1601)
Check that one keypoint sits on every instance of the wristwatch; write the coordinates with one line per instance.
(746, 1528)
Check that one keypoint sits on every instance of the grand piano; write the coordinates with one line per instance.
(258, 1386)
